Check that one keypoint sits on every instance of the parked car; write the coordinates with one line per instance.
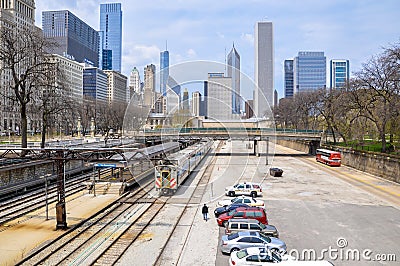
(242, 199)
(237, 225)
(241, 240)
(275, 172)
(257, 256)
(243, 212)
(220, 210)
(246, 188)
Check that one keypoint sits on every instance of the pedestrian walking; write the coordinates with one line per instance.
(204, 210)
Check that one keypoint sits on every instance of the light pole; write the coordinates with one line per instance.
(46, 194)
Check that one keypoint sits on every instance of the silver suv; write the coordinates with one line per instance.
(241, 240)
(246, 188)
(237, 225)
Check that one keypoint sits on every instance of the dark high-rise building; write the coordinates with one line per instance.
(164, 71)
(75, 38)
(234, 73)
(288, 70)
(111, 36)
(95, 84)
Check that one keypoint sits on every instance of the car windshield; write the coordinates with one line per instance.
(233, 236)
(265, 238)
(236, 200)
(241, 254)
(262, 226)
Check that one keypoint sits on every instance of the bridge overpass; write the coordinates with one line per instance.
(227, 133)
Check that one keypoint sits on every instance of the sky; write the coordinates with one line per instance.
(206, 30)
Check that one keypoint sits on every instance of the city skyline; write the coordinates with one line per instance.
(354, 30)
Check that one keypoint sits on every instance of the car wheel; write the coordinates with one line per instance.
(253, 194)
(275, 250)
(234, 249)
(231, 193)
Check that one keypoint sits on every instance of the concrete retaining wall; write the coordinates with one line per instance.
(374, 163)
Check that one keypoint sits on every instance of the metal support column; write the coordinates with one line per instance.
(61, 212)
(266, 153)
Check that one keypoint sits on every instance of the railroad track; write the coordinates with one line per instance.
(194, 199)
(84, 243)
(103, 238)
(22, 205)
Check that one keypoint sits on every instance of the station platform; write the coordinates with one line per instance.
(19, 237)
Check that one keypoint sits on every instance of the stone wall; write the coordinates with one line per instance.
(385, 166)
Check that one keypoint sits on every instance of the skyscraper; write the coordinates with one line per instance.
(134, 81)
(288, 82)
(95, 84)
(185, 99)
(264, 68)
(111, 36)
(164, 71)
(339, 73)
(309, 71)
(149, 85)
(234, 73)
(76, 40)
(219, 98)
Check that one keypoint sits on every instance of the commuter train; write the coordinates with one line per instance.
(177, 167)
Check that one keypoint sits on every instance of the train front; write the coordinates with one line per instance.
(166, 179)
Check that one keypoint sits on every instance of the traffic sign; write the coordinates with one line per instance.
(109, 165)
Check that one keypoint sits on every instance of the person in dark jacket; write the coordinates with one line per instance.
(204, 210)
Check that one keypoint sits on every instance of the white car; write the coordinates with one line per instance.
(263, 256)
(246, 200)
(246, 188)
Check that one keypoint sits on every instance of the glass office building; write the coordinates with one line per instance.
(164, 71)
(234, 73)
(288, 70)
(309, 71)
(76, 40)
(94, 84)
(111, 36)
(339, 73)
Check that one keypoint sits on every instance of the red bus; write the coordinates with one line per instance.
(331, 158)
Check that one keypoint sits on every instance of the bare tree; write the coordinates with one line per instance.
(374, 91)
(23, 56)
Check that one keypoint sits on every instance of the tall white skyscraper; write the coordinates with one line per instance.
(264, 68)
(134, 81)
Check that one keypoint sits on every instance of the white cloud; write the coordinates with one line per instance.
(248, 38)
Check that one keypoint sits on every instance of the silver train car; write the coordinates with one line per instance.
(174, 171)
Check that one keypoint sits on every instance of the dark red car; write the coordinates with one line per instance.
(244, 212)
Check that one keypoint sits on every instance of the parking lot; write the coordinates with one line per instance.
(312, 207)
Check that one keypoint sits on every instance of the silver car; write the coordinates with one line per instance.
(246, 239)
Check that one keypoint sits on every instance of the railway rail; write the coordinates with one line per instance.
(103, 238)
(78, 243)
(22, 205)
